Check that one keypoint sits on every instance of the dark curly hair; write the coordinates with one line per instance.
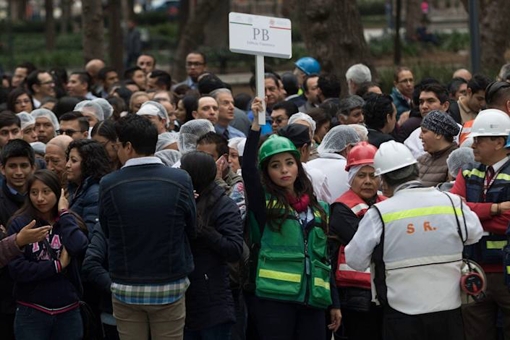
(95, 162)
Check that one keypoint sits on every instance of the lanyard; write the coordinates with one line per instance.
(487, 184)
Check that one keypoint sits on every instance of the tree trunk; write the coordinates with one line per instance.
(50, 25)
(183, 15)
(18, 10)
(494, 28)
(192, 36)
(130, 9)
(93, 30)
(333, 34)
(115, 36)
(413, 18)
(216, 34)
(65, 19)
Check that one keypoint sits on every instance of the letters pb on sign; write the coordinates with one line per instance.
(260, 35)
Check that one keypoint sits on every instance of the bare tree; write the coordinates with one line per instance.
(192, 35)
(494, 28)
(18, 9)
(333, 34)
(50, 25)
(93, 29)
(116, 43)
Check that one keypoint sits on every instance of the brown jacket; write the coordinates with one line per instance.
(8, 249)
(433, 168)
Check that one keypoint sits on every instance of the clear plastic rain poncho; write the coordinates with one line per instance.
(337, 139)
(190, 132)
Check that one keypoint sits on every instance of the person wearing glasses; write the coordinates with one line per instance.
(402, 92)
(41, 85)
(75, 125)
(282, 111)
(20, 100)
(196, 64)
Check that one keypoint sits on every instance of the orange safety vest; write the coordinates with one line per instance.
(345, 276)
(466, 130)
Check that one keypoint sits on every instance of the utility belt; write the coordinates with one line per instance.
(489, 250)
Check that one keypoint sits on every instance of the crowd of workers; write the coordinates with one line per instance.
(136, 207)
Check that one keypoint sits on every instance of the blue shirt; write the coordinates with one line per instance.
(232, 131)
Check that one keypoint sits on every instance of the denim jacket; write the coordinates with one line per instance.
(148, 213)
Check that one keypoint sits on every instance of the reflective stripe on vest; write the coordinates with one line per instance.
(279, 275)
(417, 212)
(345, 276)
(466, 130)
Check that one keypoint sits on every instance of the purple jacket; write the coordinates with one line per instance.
(8, 249)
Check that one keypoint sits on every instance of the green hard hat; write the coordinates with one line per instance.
(274, 145)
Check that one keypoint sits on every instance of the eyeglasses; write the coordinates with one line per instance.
(68, 132)
(194, 63)
(493, 89)
(49, 82)
(278, 120)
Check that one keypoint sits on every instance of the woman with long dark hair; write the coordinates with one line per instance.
(288, 227)
(87, 163)
(47, 281)
(210, 311)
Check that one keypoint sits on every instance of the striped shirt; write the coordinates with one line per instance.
(150, 294)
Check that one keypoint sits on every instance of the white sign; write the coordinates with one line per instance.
(259, 35)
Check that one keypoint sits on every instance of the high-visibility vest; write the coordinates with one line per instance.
(345, 276)
(466, 130)
(293, 264)
(489, 250)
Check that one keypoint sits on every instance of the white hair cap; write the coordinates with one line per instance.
(337, 139)
(303, 116)
(237, 143)
(96, 108)
(47, 114)
(105, 106)
(190, 132)
(26, 119)
(165, 139)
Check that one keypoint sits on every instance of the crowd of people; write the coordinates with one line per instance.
(136, 207)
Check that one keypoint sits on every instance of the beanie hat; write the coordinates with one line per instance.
(441, 123)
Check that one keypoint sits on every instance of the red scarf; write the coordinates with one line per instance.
(300, 204)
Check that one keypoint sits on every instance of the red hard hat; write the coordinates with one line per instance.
(361, 154)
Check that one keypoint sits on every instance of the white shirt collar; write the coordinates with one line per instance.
(142, 161)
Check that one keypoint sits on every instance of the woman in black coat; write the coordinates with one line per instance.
(209, 302)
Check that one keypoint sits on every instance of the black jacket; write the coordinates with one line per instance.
(209, 301)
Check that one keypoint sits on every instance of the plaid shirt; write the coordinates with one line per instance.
(150, 294)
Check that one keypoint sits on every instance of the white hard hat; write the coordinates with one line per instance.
(392, 156)
(491, 122)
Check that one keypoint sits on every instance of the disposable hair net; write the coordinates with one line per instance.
(238, 144)
(39, 148)
(337, 139)
(96, 108)
(190, 132)
(151, 107)
(26, 119)
(459, 159)
(105, 106)
(48, 114)
(165, 139)
(361, 130)
(303, 116)
(168, 157)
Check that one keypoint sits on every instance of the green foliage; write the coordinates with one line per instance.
(443, 73)
(152, 18)
(454, 42)
(371, 7)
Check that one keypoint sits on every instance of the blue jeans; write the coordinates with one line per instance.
(219, 332)
(30, 324)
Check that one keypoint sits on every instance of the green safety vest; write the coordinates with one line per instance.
(293, 265)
